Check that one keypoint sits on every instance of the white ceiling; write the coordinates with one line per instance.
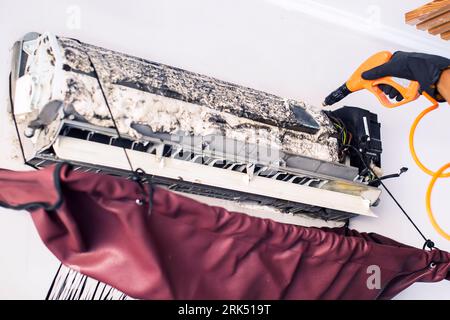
(380, 19)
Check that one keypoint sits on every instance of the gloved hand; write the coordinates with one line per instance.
(423, 68)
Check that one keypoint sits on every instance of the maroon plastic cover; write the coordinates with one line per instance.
(104, 227)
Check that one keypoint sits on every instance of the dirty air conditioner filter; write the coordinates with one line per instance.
(192, 133)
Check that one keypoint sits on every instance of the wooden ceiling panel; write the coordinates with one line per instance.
(446, 35)
(433, 16)
(440, 28)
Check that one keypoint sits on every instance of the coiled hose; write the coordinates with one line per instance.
(435, 175)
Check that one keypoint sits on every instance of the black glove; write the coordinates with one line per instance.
(423, 68)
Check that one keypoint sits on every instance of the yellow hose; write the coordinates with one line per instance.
(436, 226)
(413, 131)
(435, 175)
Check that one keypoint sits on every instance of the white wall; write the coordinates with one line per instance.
(293, 48)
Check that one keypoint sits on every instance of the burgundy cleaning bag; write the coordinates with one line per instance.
(160, 245)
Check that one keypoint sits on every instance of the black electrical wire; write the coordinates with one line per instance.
(428, 243)
(138, 174)
(102, 90)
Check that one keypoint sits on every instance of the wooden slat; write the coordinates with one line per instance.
(427, 11)
(446, 35)
(440, 28)
(434, 22)
(433, 16)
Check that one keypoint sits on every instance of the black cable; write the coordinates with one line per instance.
(374, 181)
(109, 109)
(138, 174)
(428, 242)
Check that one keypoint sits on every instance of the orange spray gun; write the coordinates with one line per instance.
(410, 93)
(356, 83)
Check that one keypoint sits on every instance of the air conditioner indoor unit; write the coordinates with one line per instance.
(215, 141)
